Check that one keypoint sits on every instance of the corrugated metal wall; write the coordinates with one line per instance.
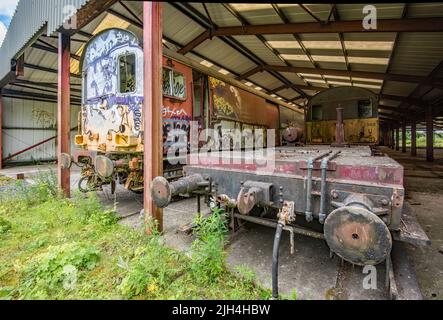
(30, 17)
(26, 123)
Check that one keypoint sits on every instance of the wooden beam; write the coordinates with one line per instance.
(152, 114)
(383, 25)
(64, 111)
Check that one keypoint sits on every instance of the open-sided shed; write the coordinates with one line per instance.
(288, 52)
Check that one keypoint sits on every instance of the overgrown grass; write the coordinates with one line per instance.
(57, 248)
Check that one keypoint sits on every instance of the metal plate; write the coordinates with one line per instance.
(357, 235)
(103, 166)
(65, 161)
(160, 192)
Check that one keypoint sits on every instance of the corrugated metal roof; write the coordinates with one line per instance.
(30, 17)
(415, 53)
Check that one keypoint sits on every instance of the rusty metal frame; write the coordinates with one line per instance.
(152, 91)
(64, 110)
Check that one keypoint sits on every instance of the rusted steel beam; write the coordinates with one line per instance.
(360, 74)
(87, 13)
(285, 19)
(309, 11)
(301, 87)
(46, 69)
(394, 46)
(250, 73)
(33, 146)
(245, 22)
(413, 138)
(413, 101)
(205, 35)
(383, 25)
(392, 138)
(397, 138)
(64, 110)
(52, 50)
(130, 12)
(403, 137)
(1, 131)
(152, 91)
(429, 134)
(26, 94)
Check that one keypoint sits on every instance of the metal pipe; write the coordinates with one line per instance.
(275, 252)
(308, 212)
(339, 130)
(31, 147)
(273, 224)
(324, 167)
(321, 214)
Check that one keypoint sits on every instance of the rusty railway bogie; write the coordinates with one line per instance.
(356, 198)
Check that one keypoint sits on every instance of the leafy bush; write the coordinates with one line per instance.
(90, 209)
(5, 226)
(208, 255)
(152, 269)
(43, 188)
(56, 266)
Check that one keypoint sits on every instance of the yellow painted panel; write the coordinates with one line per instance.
(356, 131)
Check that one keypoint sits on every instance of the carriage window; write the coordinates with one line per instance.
(127, 72)
(317, 112)
(174, 84)
(364, 109)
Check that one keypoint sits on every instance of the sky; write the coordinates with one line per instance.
(7, 8)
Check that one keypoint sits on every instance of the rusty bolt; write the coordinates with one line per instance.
(384, 202)
(334, 195)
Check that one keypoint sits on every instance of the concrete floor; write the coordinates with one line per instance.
(424, 190)
(310, 271)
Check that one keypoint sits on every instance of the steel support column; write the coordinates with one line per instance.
(64, 110)
(397, 138)
(392, 138)
(403, 137)
(152, 91)
(413, 138)
(429, 134)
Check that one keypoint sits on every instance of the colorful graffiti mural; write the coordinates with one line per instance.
(111, 112)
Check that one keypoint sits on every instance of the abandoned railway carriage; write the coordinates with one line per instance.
(110, 122)
(356, 107)
(334, 187)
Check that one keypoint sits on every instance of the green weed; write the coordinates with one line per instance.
(208, 255)
(57, 248)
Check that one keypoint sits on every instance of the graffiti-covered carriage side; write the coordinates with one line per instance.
(111, 112)
(177, 104)
(235, 108)
(110, 137)
(360, 116)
